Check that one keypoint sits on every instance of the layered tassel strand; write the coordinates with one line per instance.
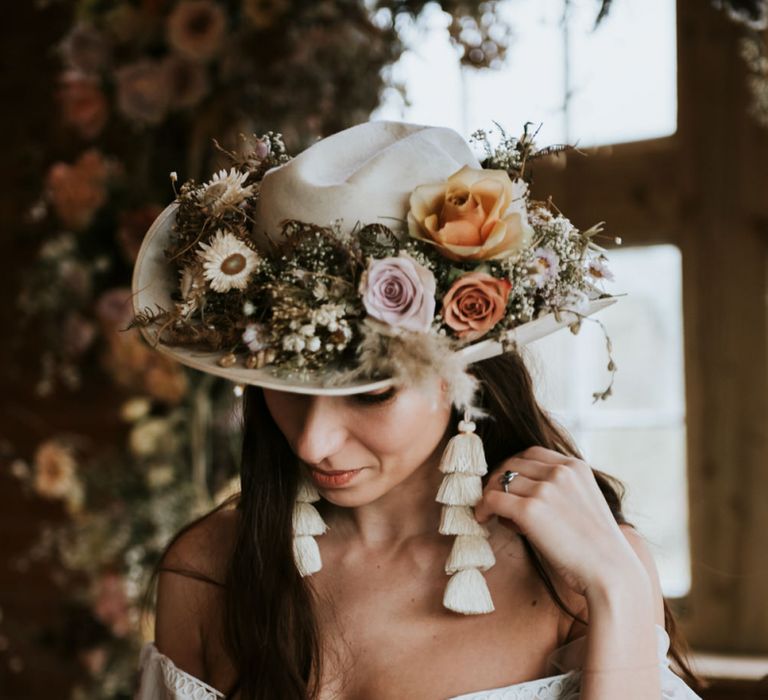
(464, 465)
(307, 524)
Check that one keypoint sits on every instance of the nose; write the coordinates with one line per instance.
(322, 431)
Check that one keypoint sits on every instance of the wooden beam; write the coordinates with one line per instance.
(631, 186)
(723, 188)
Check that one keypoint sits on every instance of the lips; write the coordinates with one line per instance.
(334, 478)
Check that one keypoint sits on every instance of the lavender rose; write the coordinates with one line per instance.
(399, 292)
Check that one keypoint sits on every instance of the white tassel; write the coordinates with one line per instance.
(467, 593)
(463, 464)
(464, 454)
(306, 554)
(460, 490)
(307, 521)
(307, 492)
(470, 552)
(460, 520)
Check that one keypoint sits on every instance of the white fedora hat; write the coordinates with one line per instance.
(401, 176)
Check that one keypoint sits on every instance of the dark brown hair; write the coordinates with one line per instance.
(271, 633)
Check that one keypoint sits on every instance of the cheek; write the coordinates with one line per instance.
(407, 435)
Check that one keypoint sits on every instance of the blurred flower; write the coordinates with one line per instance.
(159, 476)
(94, 660)
(83, 104)
(78, 191)
(124, 22)
(114, 309)
(142, 91)
(75, 278)
(133, 226)
(77, 334)
(228, 262)
(20, 469)
(187, 81)
(263, 13)
(135, 409)
(149, 437)
(132, 363)
(86, 49)
(55, 470)
(111, 605)
(196, 29)
(598, 268)
(545, 266)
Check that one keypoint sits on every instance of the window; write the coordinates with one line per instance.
(638, 434)
(559, 72)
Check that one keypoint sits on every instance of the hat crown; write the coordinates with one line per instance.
(362, 175)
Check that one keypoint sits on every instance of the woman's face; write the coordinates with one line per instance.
(359, 447)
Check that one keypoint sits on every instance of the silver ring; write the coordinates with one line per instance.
(506, 479)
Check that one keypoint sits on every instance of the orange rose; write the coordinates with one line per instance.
(475, 215)
(475, 303)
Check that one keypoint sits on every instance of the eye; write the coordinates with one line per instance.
(374, 399)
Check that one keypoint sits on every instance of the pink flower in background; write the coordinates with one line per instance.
(111, 605)
(400, 292)
(86, 49)
(142, 91)
(77, 191)
(187, 81)
(78, 334)
(83, 104)
(196, 29)
(475, 303)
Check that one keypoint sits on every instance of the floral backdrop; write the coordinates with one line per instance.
(146, 88)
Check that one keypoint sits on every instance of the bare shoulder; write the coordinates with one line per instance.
(578, 603)
(190, 588)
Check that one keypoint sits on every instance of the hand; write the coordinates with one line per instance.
(556, 503)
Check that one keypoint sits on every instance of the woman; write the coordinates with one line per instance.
(277, 598)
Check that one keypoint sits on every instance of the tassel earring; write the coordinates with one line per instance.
(464, 465)
(307, 524)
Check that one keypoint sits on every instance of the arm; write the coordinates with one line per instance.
(621, 640)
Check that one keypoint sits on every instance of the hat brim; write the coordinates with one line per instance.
(153, 281)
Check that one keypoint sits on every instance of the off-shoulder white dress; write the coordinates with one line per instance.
(162, 680)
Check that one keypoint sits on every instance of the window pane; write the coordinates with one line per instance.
(638, 434)
(619, 78)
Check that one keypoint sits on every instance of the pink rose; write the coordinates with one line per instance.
(83, 104)
(475, 303)
(399, 292)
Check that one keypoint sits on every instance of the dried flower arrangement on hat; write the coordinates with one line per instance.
(474, 258)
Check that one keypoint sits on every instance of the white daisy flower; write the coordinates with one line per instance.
(227, 262)
(224, 191)
(599, 270)
(546, 265)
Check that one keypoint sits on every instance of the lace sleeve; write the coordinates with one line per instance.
(160, 679)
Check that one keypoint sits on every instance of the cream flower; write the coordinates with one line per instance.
(475, 215)
(55, 471)
(227, 262)
(224, 191)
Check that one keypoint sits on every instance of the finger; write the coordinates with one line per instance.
(520, 487)
(503, 505)
(543, 454)
(527, 467)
